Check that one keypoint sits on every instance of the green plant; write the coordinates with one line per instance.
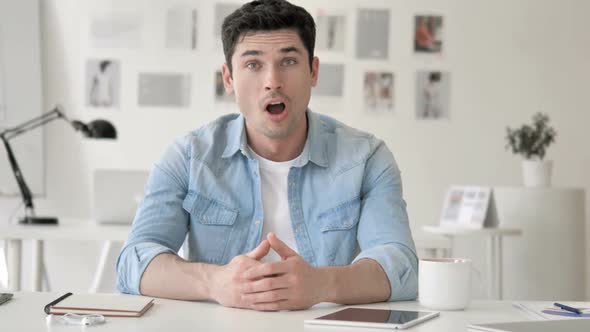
(531, 141)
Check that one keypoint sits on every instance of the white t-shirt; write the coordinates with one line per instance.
(275, 201)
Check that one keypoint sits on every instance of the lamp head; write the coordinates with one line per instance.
(96, 129)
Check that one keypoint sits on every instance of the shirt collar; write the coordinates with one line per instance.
(236, 137)
(315, 145)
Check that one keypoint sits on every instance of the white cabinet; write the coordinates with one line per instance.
(547, 262)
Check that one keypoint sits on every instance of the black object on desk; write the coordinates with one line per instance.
(94, 129)
(4, 297)
(54, 302)
(568, 308)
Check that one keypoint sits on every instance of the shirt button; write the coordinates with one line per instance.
(257, 222)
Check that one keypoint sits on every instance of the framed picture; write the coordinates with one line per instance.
(330, 31)
(466, 206)
(378, 91)
(432, 95)
(103, 80)
(428, 34)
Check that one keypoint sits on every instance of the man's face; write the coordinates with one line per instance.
(272, 82)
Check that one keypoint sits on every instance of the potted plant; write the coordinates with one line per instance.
(531, 142)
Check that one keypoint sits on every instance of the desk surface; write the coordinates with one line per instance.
(86, 229)
(25, 313)
(486, 231)
(67, 229)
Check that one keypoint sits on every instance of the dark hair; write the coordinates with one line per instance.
(267, 15)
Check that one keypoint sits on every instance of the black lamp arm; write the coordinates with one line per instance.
(22, 185)
(24, 127)
(10, 133)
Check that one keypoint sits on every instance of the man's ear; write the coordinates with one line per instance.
(228, 82)
(315, 70)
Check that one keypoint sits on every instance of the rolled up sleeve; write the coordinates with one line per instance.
(160, 224)
(383, 233)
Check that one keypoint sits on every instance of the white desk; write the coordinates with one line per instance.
(25, 313)
(68, 229)
(433, 245)
(494, 250)
(72, 229)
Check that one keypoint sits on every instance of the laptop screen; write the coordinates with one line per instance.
(117, 194)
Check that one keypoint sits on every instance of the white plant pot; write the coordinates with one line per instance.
(537, 173)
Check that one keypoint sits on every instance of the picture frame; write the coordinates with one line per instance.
(468, 206)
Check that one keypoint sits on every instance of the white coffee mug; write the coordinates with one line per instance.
(444, 283)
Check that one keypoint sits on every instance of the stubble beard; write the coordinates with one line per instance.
(279, 133)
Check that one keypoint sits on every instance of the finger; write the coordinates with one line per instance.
(280, 247)
(266, 270)
(260, 251)
(272, 306)
(265, 285)
(276, 295)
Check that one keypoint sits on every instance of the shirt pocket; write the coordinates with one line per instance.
(338, 226)
(211, 226)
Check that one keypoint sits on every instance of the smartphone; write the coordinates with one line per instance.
(5, 297)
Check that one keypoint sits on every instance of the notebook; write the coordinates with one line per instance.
(572, 325)
(117, 194)
(109, 305)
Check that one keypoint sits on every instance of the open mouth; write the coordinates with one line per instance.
(275, 108)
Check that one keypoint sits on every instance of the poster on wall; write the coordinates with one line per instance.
(164, 90)
(115, 30)
(378, 91)
(372, 37)
(428, 34)
(220, 94)
(331, 81)
(330, 31)
(432, 95)
(103, 83)
(181, 28)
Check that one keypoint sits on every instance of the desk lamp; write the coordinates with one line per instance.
(94, 129)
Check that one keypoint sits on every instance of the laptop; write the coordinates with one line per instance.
(571, 325)
(117, 194)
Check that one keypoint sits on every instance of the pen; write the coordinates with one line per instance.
(568, 308)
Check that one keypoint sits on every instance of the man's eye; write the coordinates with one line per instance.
(252, 65)
(289, 62)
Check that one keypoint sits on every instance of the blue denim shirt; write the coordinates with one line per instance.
(345, 198)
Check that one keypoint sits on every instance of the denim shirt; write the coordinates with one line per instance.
(345, 198)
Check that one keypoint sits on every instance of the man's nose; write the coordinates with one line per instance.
(273, 80)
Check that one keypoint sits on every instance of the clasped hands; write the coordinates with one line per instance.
(290, 284)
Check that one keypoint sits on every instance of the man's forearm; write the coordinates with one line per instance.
(169, 276)
(361, 282)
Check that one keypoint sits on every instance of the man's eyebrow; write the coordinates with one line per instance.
(290, 49)
(251, 53)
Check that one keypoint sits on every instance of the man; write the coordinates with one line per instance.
(277, 178)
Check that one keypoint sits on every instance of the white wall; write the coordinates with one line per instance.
(507, 59)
